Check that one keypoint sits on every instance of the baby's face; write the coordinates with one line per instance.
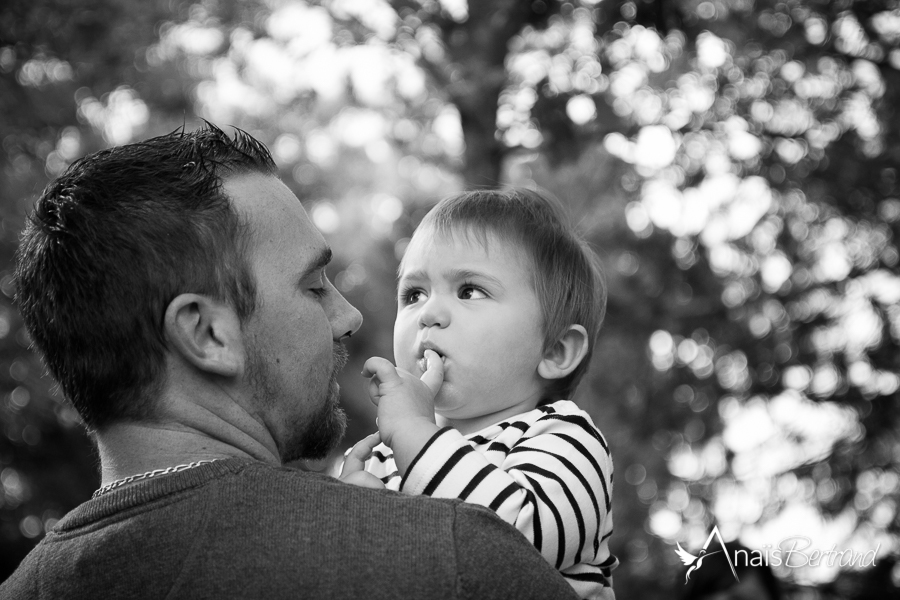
(473, 305)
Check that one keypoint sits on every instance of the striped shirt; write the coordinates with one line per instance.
(547, 472)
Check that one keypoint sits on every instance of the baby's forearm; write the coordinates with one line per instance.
(405, 405)
(408, 439)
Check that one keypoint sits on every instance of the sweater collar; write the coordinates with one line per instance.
(149, 490)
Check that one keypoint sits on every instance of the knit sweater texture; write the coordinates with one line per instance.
(241, 529)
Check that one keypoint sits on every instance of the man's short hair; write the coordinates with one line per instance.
(112, 241)
(566, 274)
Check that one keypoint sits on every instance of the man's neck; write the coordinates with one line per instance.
(194, 420)
(132, 448)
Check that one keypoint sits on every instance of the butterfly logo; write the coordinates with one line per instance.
(695, 562)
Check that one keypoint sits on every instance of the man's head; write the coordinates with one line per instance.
(111, 242)
(564, 271)
(124, 233)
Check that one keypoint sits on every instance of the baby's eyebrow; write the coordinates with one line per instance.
(412, 276)
(455, 275)
(468, 274)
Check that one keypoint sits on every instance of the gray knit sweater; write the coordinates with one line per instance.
(241, 529)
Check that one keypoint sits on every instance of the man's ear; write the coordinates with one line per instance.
(206, 333)
(566, 354)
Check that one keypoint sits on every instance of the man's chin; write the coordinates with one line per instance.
(320, 436)
(323, 432)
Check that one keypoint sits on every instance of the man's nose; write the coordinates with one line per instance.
(345, 319)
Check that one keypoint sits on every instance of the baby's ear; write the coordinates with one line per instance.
(566, 354)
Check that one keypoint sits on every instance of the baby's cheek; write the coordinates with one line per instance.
(512, 366)
(409, 365)
(403, 350)
(404, 361)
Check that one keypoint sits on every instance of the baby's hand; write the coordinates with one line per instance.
(403, 400)
(353, 471)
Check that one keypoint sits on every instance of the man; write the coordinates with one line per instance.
(177, 290)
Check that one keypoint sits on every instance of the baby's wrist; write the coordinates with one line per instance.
(409, 439)
(399, 430)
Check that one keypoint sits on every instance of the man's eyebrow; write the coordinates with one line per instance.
(320, 261)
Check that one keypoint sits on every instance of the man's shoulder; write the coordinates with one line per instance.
(335, 501)
(294, 490)
(270, 531)
(494, 557)
(321, 520)
(23, 583)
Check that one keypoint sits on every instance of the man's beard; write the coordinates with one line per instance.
(312, 438)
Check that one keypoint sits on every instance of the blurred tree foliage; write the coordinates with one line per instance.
(734, 162)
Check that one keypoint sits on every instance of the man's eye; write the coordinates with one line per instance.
(319, 288)
(471, 292)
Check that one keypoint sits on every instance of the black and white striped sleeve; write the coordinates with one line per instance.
(553, 484)
(381, 464)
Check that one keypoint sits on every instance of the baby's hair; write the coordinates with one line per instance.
(566, 274)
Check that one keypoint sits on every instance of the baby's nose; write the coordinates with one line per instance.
(434, 313)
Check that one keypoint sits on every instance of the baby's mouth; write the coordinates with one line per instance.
(422, 363)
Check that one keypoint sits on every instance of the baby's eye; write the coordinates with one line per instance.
(471, 292)
(410, 297)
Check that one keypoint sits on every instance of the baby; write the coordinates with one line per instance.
(499, 305)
